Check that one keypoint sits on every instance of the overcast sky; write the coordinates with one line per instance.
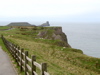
(50, 10)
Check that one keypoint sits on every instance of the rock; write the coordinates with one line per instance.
(58, 30)
(41, 34)
(45, 24)
(54, 33)
(57, 37)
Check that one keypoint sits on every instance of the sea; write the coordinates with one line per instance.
(85, 37)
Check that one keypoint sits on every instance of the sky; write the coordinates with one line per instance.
(66, 11)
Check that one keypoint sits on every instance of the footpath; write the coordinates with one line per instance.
(6, 68)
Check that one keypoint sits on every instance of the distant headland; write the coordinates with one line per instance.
(27, 24)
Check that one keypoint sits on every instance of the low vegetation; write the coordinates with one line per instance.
(61, 60)
(4, 27)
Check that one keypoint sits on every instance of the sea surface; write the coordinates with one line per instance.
(85, 37)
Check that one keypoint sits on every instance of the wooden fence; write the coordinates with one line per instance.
(26, 64)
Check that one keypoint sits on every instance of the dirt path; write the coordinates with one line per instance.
(6, 67)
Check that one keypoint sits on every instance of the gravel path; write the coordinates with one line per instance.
(6, 67)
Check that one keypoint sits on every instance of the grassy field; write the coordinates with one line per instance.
(4, 27)
(61, 61)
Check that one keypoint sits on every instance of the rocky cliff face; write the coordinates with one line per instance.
(54, 33)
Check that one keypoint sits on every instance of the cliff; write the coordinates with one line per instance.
(54, 33)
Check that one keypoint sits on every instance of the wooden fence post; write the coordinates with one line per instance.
(18, 60)
(26, 62)
(33, 66)
(12, 49)
(15, 53)
(21, 56)
(44, 68)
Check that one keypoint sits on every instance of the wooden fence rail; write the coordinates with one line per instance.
(26, 64)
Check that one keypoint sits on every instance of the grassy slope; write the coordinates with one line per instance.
(4, 27)
(61, 61)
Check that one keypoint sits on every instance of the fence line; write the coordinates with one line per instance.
(26, 64)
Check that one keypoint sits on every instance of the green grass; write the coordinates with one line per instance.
(2, 45)
(4, 27)
(61, 61)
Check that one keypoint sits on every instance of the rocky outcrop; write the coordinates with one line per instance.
(45, 24)
(54, 33)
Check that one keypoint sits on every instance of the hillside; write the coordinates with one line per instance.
(19, 24)
(61, 60)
